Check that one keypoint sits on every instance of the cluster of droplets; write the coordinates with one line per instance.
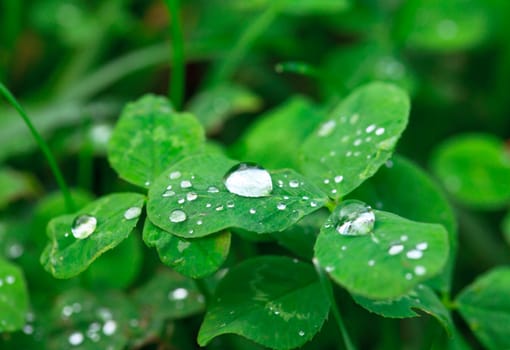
(413, 252)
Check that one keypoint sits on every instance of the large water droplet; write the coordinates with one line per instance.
(132, 213)
(177, 216)
(249, 180)
(355, 218)
(76, 338)
(109, 327)
(83, 226)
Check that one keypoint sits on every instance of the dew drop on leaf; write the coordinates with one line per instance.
(177, 216)
(132, 213)
(178, 294)
(109, 327)
(249, 180)
(76, 338)
(83, 226)
(355, 218)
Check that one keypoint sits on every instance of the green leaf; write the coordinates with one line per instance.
(14, 185)
(149, 137)
(403, 188)
(505, 226)
(204, 211)
(387, 263)
(274, 301)
(13, 297)
(293, 122)
(298, 7)
(194, 258)
(212, 107)
(66, 256)
(84, 321)
(420, 298)
(475, 168)
(486, 308)
(443, 25)
(357, 138)
(117, 268)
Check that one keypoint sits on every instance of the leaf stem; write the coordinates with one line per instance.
(229, 64)
(177, 78)
(328, 288)
(43, 146)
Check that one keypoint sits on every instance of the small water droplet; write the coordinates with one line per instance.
(389, 164)
(208, 205)
(313, 204)
(181, 200)
(395, 249)
(354, 118)
(326, 181)
(379, 131)
(326, 128)
(280, 183)
(409, 276)
(371, 262)
(357, 142)
(339, 178)
(403, 238)
(76, 338)
(414, 254)
(132, 213)
(420, 270)
(213, 189)
(186, 184)
(248, 180)
(334, 191)
(252, 211)
(355, 218)
(329, 268)
(191, 196)
(370, 128)
(83, 226)
(422, 246)
(281, 206)
(301, 333)
(177, 216)
(178, 294)
(109, 327)
(230, 204)
(294, 183)
(168, 193)
(219, 208)
(199, 222)
(174, 175)
(10, 279)
(169, 187)
(147, 183)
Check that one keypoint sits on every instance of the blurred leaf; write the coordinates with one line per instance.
(66, 256)
(212, 107)
(357, 138)
(293, 122)
(348, 67)
(420, 298)
(297, 7)
(486, 308)
(194, 191)
(387, 263)
(82, 320)
(475, 168)
(505, 226)
(149, 137)
(13, 297)
(267, 293)
(402, 188)
(195, 258)
(117, 268)
(443, 25)
(14, 185)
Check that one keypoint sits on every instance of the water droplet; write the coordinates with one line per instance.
(168, 193)
(281, 206)
(395, 249)
(147, 183)
(409, 276)
(326, 128)
(370, 128)
(379, 131)
(301, 333)
(76, 338)
(414, 254)
(230, 204)
(181, 200)
(10, 279)
(326, 181)
(174, 175)
(191, 196)
(389, 164)
(357, 142)
(294, 183)
(252, 211)
(329, 268)
(109, 327)
(354, 118)
(219, 208)
(132, 213)
(249, 180)
(339, 178)
(371, 262)
(355, 218)
(213, 189)
(178, 294)
(169, 187)
(420, 270)
(208, 205)
(83, 226)
(280, 183)
(177, 216)
(403, 238)
(199, 222)
(313, 204)
(186, 184)
(422, 246)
